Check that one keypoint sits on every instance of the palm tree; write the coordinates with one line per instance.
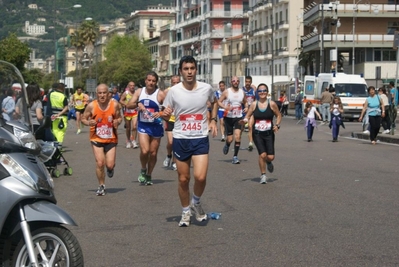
(84, 40)
(306, 60)
(88, 32)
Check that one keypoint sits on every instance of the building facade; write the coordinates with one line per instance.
(34, 29)
(200, 27)
(146, 24)
(363, 39)
(274, 37)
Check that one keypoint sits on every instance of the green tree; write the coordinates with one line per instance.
(127, 59)
(33, 76)
(14, 51)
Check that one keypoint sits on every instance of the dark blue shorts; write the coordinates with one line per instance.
(220, 114)
(183, 149)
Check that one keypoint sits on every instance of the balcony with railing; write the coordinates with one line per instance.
(223, 14)
(163, 42)
(346, 40)
(231, 58)
(313, 11)
(151, 27)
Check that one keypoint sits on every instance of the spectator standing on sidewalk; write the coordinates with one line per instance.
(298, 104)
(188, 101)
(325, 100)
(375, 110)
(385, 121)
(395, 101)
(103, 116)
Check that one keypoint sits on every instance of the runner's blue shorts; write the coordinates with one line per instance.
(184, 149)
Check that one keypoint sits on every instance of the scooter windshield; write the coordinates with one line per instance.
(13, 95)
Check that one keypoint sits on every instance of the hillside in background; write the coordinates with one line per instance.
(14, 13)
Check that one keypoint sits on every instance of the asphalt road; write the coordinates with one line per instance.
(326, 204)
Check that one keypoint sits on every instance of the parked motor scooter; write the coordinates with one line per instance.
(31, 224)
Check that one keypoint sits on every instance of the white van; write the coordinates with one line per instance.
(351, 88)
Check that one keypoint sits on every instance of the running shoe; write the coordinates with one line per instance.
(148, 180)
(101, 191)
(226, 149)
(135, 145)
(185, 219)
(263, 179)
(128, 145)
(270, 166)
(223, 138)
(142, 177)
(250, 146)
(79, 131)
(110, 173)
(200, 215)
(166, 162)
(366, 132)
(386, 132)
(174, 167)
(235, 160)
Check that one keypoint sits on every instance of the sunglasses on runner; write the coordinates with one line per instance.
(262, 91)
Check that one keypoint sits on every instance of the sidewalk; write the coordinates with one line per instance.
(386, 138)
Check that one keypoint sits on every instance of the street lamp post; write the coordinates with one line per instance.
(55, 37)
(355, 9)
(322, 39)
(229, 25)
(334, 8)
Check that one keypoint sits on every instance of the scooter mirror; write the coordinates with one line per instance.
(45, 125)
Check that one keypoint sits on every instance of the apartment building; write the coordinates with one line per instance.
(200, 27)
(362, 33)
(146, 24)
(274, 37)
(34, 29)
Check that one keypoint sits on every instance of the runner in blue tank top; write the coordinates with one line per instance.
(250, 96)
(148, 100)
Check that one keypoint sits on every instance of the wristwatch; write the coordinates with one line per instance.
(278, 126)
(214, 119)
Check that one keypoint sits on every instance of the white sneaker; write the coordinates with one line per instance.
(128, 145)
(185, 219)
(135, 145)
(366, 132)
(200, 215)
(166, 162)
(386, 132)
(174, 167)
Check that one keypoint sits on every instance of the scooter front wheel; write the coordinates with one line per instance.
(54, 246)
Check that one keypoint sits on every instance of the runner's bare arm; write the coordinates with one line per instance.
(213, 124)
(277, 113)
(249, 113)
(133, 101)
(87, 114)
(221, 99)
(123, 100)
(118, 118)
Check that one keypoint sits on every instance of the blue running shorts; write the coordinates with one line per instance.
(183, 149)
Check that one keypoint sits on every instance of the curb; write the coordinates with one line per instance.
(386, 138)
